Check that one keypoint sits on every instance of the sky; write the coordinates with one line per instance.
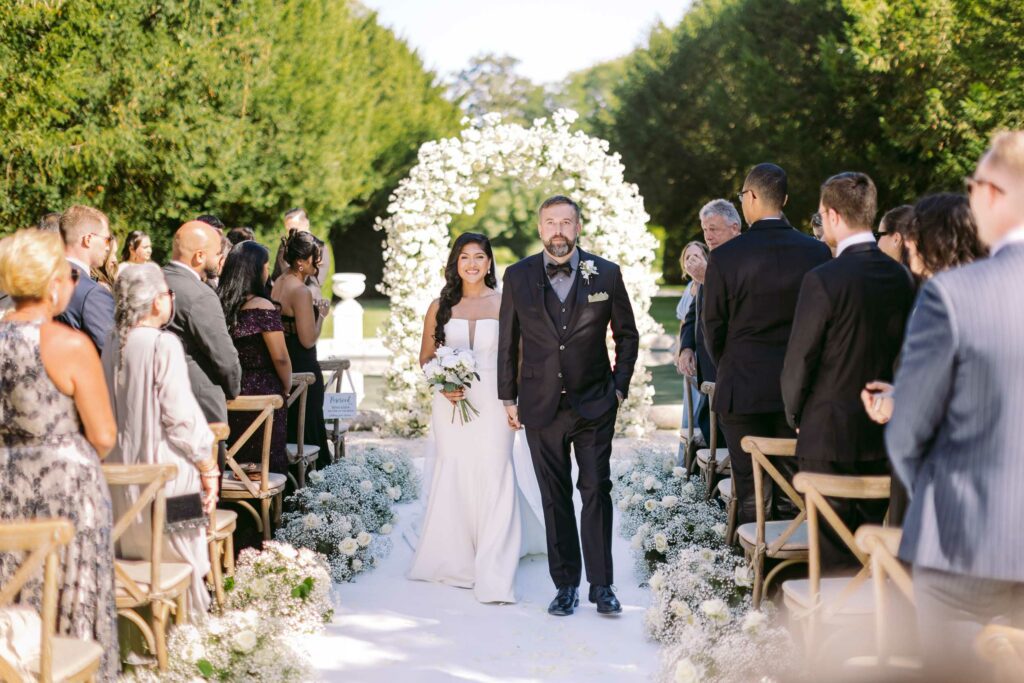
(551, 38)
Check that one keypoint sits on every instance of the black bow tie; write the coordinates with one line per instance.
(556, 268)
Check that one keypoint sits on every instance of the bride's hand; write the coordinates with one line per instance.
(454, 396)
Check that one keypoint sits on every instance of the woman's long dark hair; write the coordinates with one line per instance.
(242, 277)
(131, 243)
(944, 231)
(451, 294)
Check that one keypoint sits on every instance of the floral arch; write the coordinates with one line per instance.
(447, 181)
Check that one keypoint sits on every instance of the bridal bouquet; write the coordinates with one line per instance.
(451, 370)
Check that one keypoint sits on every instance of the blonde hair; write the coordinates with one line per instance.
(1007, 151)
(78, 221)
(29, 260)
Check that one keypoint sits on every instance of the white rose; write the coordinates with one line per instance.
(624, 504)
(657, 581)
(678, 472)
(260, 585)
(635, 499)
(349, 546)
(669, 502)
(719, 529)
(707, 554)
(363, 539)
(649, 482)
(657, 485)
(386, 529)
(325, 497)
(315, 477)
(388, 467)
(743, 576)
(357, 564)
(716, 610)
(753, 622)
(637, 542)
(668, 464)
(688, 489)
(660, 542)
(345, 525)
(688, 672)
(366, 485)
(636, 477)
(244, 641)
(312, 521)
(650, 504)
(679, 608)
(395, 492)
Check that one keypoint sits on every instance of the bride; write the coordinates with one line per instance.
(477, 522)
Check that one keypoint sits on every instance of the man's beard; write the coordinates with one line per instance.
(212, 274)
(563, 247)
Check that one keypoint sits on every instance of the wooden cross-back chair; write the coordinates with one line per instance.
(301, 455)
(712, 461)
(220, 534)
(60, 658)
(882, 544)
(816, 600)
(335, 370)
(784, 540)
(160, 586)
(236, 486)
(688, 435)
(1003, 646)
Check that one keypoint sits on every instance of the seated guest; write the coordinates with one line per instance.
(87, 238)
(302, 323)
(56, 426)
(158, 422)
(240, 234)
(892, 230)
(138, 248)
(255, 326)
(847, 330)
(955, 435)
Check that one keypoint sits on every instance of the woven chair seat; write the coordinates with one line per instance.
(797, 543)
(172, 574)
(309, 453)
(725, 489)
(72, 657)
(232, 488)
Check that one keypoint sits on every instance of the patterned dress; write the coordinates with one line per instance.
(259, 378)
(48, 469)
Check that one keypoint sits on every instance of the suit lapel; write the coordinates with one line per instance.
(582, 292)
(538, 282)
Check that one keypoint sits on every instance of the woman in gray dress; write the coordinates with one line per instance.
(55, 424)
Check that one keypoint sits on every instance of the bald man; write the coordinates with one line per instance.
(198, 319)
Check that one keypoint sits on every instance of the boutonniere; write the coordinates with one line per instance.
(587, 268)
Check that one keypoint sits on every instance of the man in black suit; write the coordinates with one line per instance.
(847, 331)
(556, 307)
(198, 319)
(87, 238)
(720, 222)
(750, 295)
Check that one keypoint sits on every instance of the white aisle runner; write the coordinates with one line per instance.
(387, 628)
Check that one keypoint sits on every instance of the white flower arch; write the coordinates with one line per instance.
(447, 181)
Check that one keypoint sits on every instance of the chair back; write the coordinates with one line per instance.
(881, 544)
(1004, 647)
(301, 381)
(265, 405)
(708, 389)
(760, 449)
(42, 539)
(686, 435)
(336, 370)
(151, 480)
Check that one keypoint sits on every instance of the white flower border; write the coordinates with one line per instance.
(447, 181)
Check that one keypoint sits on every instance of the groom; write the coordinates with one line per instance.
(555, 309)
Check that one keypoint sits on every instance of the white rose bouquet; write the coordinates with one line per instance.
(451, 370)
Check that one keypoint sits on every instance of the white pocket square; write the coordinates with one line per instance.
(597, 296)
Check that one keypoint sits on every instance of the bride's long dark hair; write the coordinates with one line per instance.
(451, 294)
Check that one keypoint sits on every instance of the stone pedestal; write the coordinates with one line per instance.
(348, 314)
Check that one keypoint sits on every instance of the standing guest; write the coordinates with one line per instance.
(847, 330)
(106, 275)
(296, 220)
(256, 328)
(138, 248)
(87, 238)
(817, 229)
(302, 320)
(892, 230)
(693, 257)
(941, 235)
(49, 222)
(720, 222)
(198, 319)
(955, 435)
(750, 294)
(240, 234)
(56, 426)
(158, 422)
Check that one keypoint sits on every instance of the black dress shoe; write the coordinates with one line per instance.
(565, 602)
(606, 601)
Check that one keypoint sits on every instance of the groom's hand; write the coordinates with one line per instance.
(512, 412)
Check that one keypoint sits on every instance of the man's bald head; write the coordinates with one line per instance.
(296, 219)
(198, 245)
(997, 197)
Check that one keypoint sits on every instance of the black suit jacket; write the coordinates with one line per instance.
(91, 309)
(691, 336)
(576, 359)
(847, 331)
(750, 293)
(213, 366)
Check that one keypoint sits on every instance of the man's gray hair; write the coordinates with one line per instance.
(723, 208)
(297, 215)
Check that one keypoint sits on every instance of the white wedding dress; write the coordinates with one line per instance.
(483, 508)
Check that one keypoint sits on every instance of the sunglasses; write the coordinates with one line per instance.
(106, 238)
(971, 184)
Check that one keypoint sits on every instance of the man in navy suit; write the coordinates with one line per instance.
(87, 237)
(956, 437)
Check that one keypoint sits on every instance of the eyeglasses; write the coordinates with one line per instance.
(740, 195)
(169, 292)
(106, 238)
(816, 220)
(971, 184)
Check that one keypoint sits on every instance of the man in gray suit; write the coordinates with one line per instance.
(198, 319)
(956, 437)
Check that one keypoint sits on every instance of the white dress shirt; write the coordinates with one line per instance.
(1012, 237)
(858, 238)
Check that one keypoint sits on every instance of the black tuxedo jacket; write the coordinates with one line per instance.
(198, 320)
(535, 361)
(847, 331)
(91, 309)
(750, 293)
(691, 336)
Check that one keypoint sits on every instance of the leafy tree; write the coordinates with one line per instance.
(490, 84)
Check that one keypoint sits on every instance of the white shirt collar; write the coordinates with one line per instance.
(857, 238)
(81, 265)
(1015, 235)
(182, 265)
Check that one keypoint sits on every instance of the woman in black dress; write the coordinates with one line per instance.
(256, 328)
(303, 318)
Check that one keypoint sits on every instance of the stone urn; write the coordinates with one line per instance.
(348, 314)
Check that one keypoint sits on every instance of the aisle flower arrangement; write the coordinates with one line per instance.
(390, 465)
(344, 540)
